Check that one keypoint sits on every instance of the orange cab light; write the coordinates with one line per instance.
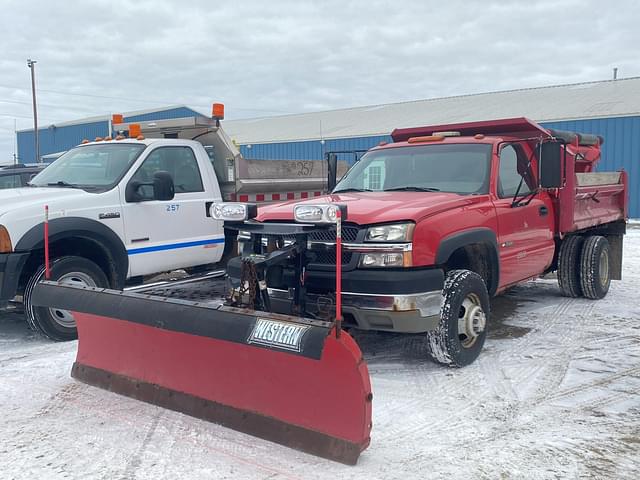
(382, 143)
(479, 136)
(428, 138)
(86, 140)
(140, 137)
(120, 137)
(217, 111)
(117, 118)
(98, 139)
(134, 130)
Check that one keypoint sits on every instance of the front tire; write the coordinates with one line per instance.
(462, 330)
(55, 323)
(595, 273)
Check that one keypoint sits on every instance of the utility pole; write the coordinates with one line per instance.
(32, 66)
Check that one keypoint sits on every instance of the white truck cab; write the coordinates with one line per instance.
(117, 209)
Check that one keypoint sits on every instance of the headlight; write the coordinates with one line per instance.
(398, 232)
(233, 212)
(372, 260)
(319, 213)
(5, 240)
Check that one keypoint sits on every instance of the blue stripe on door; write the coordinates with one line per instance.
(173, 246)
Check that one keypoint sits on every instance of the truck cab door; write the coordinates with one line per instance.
(164, 235)
(525, 233)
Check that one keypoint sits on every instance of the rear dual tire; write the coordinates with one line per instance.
(584, 267)
(55, 323)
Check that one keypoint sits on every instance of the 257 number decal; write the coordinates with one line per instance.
(173, 207)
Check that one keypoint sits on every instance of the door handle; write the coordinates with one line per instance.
(543, 211)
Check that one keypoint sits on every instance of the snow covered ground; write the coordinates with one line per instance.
(555, 394)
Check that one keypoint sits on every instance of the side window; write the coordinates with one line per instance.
(181, 164)
(513, 168)
(10, 181)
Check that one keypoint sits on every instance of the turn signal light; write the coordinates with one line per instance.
(5, 240)
(217, 111)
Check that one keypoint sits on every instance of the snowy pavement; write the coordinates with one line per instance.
(555, 394)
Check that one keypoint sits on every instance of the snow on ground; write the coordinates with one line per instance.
(555, 394)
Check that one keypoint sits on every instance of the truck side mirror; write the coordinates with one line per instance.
(163, 188)
(552, 158)
(332, 171)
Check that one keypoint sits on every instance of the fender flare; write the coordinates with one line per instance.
(79, 227)
(482, 235)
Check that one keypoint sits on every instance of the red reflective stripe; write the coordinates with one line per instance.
(232, 197)
(304, 195)
(244, 198)
(291, 196)
(275, 196)
(317, 194)
(260, 197)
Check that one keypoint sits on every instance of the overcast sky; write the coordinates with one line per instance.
(274, 57)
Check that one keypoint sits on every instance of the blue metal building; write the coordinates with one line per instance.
(62, 136)
(607, 108)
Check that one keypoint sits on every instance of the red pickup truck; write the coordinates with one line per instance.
(447, 216)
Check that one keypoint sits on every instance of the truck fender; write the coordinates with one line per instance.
(78, 227)
(484, 236)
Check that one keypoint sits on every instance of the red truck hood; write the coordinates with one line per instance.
(377, 207)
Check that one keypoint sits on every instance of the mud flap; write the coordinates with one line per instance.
(277, 377)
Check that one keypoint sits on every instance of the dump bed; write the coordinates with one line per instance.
(243, 179)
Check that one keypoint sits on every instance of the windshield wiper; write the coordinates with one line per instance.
(62, 183)
(353, 190)
(412, 189)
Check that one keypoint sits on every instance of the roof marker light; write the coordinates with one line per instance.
(479, 136)
(85, 140)
(446, 134)
(140, 137)
(428, 138)
(98, 139)
(120, 137)
(108, 139)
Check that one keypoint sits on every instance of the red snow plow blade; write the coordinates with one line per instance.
(284, 379)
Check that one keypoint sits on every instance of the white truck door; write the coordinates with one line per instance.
(165, 235)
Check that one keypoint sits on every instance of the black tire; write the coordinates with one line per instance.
(447, 345)
(595, 273)
(58, 324)
(569, 266)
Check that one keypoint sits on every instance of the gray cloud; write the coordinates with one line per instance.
(269, 58)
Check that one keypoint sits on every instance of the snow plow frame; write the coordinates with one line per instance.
(297, 381)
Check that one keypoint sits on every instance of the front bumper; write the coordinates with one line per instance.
(406, 313)
(10, 269)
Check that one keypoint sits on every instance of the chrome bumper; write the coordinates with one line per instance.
(409, 313)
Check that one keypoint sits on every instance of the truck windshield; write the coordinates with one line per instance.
(93, 167)
(458, 168)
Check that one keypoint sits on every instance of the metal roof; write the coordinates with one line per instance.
(106, 118)
(603, 99)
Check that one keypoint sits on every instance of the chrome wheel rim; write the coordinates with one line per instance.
(472, 320)
(64, 317)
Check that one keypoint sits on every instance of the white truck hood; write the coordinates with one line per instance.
(15, 199)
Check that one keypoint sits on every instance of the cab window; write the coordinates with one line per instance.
(181, 164)
(513, 170)
(10, 181)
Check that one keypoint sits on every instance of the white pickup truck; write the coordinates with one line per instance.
(126, 208)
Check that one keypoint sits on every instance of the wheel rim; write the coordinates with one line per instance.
(472, 320)
(64, 317)
(603, 268)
